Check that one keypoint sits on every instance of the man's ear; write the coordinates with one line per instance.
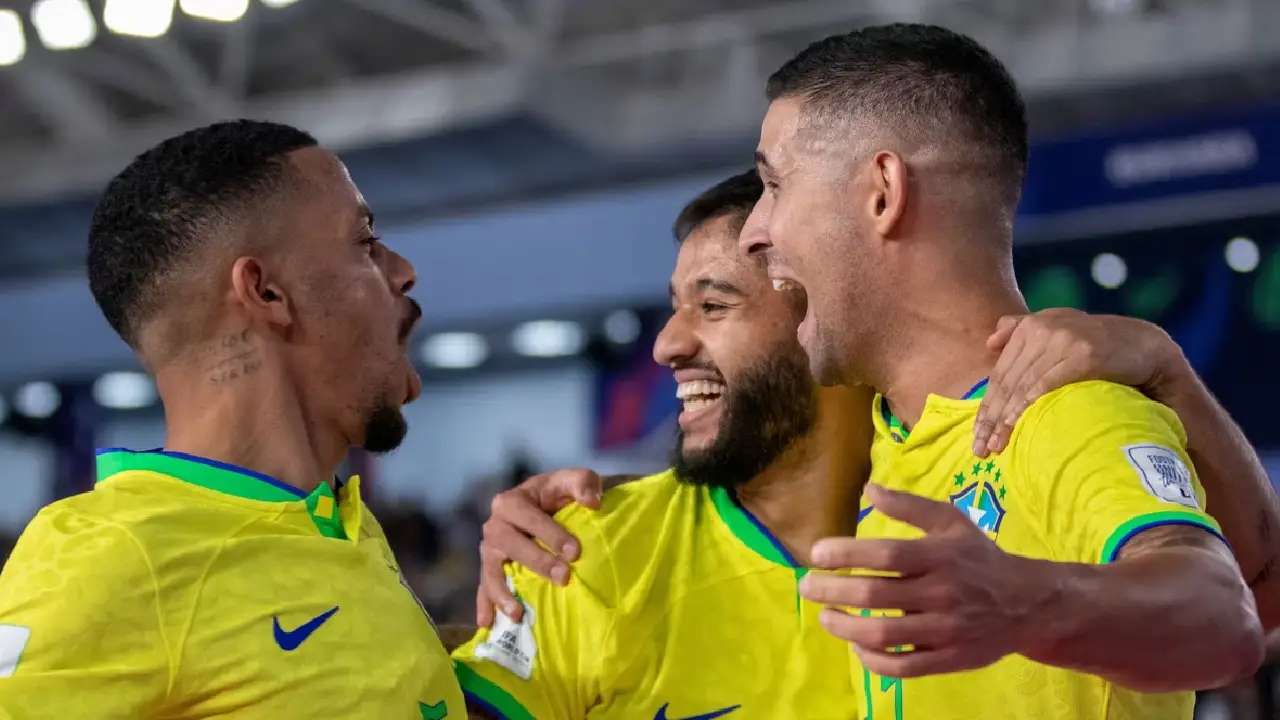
(888, 202)
(259, 294)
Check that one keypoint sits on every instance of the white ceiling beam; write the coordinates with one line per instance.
(189, 80)
(70, 109)
(376, 110)
(617, 117)
(502, 25)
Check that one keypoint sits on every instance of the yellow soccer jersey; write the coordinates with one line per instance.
(180, 588)
(1088, 467)
(682, 606)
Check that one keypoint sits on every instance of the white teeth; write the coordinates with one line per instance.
(779, 284)
(699, 391)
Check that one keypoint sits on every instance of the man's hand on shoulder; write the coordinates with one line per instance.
(520, 519)
(1044, 351)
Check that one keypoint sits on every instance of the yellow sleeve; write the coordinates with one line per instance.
(1104, 464)
(550, 665)
(79, 624)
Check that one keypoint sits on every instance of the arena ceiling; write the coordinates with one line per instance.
(527, 94)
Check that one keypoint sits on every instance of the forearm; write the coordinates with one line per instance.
(1165, 621)
(1240, 496)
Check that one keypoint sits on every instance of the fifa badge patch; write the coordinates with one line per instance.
(1163, 474)
(511, 644)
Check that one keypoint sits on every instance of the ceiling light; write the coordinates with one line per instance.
(124, 391)
(278, 3)
(1109, 270)
(216, 10)
(549, 338)
(455, 350)
(139, 18)
(64, 24)
(13, 41)
(622, 327)
(1243, 255)
(37, 399)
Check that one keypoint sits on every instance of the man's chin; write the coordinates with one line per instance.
(385, 430)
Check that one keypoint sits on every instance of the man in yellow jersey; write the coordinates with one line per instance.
(669, 568)
(229, 574)
(1070, 573)
(675, 565)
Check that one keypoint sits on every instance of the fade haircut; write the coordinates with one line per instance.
(162, 211)
(925, 83)
(734, 197)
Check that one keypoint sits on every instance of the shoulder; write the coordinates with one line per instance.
(1095, 407)
(632, 517)
(75, 551)
(630, 532)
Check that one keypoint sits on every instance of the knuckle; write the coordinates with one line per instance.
(500, 503)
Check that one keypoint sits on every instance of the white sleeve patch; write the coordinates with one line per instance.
(1163, 473)
(13, 640)
(511, 644)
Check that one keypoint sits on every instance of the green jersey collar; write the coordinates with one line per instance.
(226, 479)
(899, 432)
(749, 529)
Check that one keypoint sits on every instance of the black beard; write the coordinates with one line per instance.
(770, 406)
(385, 429)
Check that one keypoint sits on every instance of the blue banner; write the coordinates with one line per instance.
(1185, 157)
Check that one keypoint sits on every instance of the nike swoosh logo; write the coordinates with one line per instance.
(662, 714)
(291, 639)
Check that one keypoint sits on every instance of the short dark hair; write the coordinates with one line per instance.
(156, 214)
(734, 197)
(915, 76)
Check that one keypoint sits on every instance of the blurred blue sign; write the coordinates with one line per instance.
(1227, 152)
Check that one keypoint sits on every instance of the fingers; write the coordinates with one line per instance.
(516, 510)
(484, 609)
(578, 485)
(883, 634)
(1004, 330)
(929, 515)
(558, 489)
(1017, 354)
(909, 595)
(916, 663)
(907, 558)
(505, 542)
(493, 584)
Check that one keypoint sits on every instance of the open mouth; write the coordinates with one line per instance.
(699, 394)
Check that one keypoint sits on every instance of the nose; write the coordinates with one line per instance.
(400, 272)
(676, 342)
(754, 237)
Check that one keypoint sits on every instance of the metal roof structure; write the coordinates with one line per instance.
(443, 103)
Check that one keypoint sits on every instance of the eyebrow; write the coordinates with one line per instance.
(718, 286)
(762, 161)
(704, 284)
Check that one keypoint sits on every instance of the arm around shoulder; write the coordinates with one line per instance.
(1145, 592)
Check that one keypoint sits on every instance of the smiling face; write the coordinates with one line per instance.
(810, 233)
(742, 378)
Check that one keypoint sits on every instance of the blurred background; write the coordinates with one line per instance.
(529, 157)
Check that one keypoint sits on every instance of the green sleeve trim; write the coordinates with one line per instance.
(1126, 532)
(482, 691)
